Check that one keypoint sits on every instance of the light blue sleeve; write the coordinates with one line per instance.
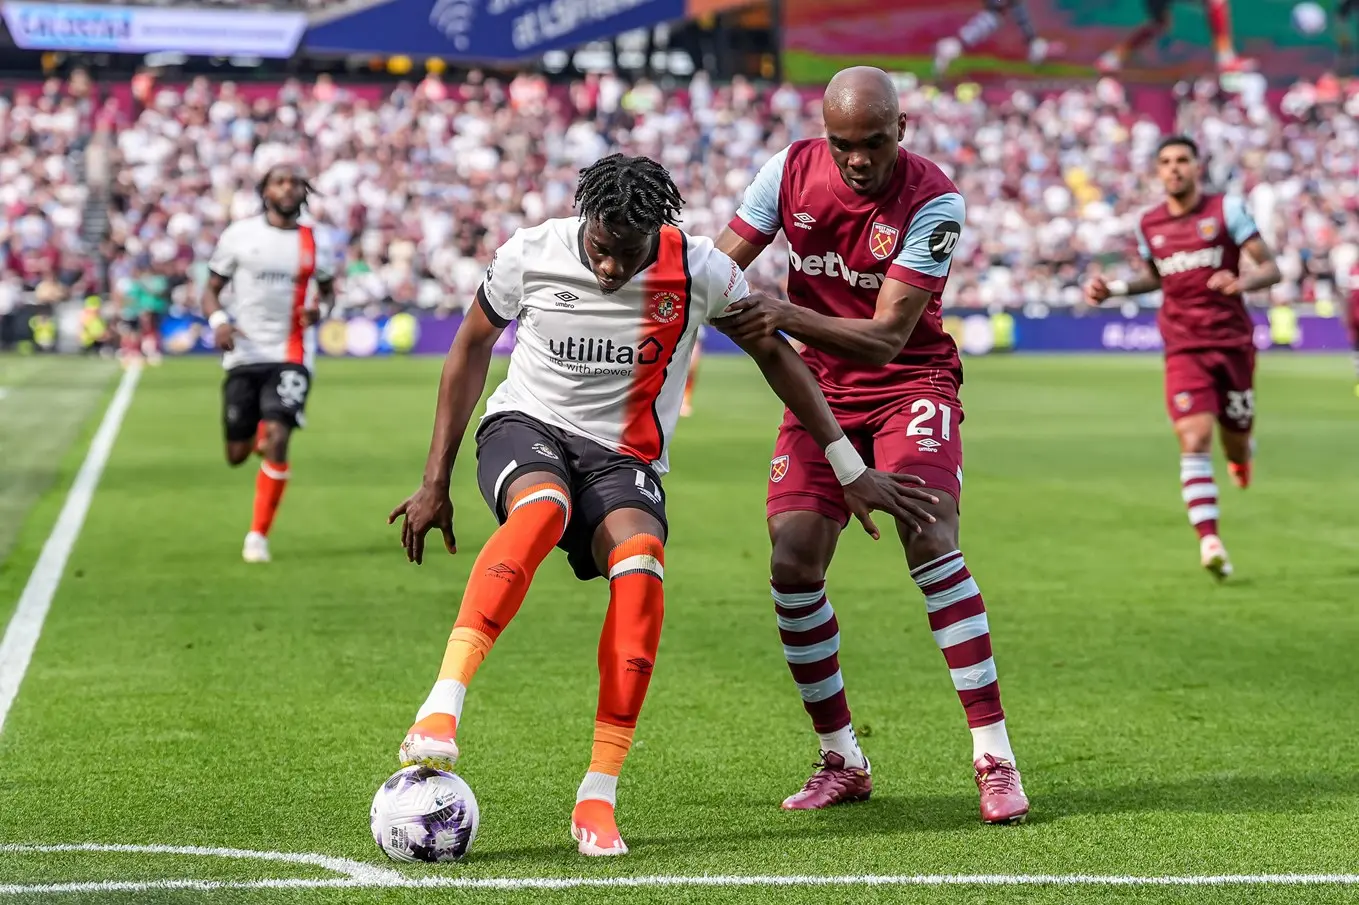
(933, 235)
(1143, 247)
(760, 204)
(1240, 224)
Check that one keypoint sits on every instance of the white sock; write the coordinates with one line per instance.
(844, 743)
(992, 740)
(445, 697)
(598, 786)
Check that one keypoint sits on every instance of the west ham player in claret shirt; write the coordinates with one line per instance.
(1192, 244)
(573, 447)
(871, 230)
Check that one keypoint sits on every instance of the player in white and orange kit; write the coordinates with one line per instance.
(266, 334)
(573, 446)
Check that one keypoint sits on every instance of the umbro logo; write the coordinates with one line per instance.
(566, 299)
(502, 571)
(804, 220)
(641, 665)
(928, 445)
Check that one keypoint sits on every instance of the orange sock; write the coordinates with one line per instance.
(270, 483)
(501, 576)
(627, 646)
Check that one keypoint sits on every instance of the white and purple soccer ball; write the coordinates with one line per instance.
(424, 814)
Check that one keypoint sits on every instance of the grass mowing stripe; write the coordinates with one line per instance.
(519, 884)
(21, 637)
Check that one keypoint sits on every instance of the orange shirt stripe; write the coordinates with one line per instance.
(666, 296)
(306, 266)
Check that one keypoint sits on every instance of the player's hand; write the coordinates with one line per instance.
(1096, 290)
(899, 495)
(311, 316)
(429, 507)
(1225, 282)
(753, 317)
(225, 336)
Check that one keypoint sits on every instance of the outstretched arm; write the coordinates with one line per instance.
(1098, 289)
(742, 251)
(460, 387)
(876, 340)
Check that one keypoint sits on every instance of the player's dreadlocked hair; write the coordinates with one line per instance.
(307, 189)
(628, 191)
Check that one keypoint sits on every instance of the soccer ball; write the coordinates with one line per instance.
(1309, 18)
(424, 814)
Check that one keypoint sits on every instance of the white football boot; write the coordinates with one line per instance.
(256, 548)
(1213, 556)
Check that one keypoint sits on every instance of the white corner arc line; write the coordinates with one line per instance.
(353, 871)
(25, 626)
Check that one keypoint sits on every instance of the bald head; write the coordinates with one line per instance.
(864, 125)
(861, 91)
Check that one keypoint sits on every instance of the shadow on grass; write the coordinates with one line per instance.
(1218, 794)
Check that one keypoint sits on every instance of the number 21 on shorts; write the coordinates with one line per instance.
(927, 413)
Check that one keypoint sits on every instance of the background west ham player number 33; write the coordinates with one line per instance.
(266, 335)
(1192, 245)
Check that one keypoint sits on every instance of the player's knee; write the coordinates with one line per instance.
(276, 442)
(793, 565)
(933, 541)
(237, 453)
(1196, 434)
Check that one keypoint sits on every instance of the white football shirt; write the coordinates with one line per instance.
(271, 271)
(610, 368)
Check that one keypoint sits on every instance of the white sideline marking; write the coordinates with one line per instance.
(4, 391)
(25, 626)
(358, 875)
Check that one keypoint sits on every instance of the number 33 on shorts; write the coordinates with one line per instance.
(1240, 406)
(292, 388)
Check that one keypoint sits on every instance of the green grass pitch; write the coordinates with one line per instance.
(1166, 726)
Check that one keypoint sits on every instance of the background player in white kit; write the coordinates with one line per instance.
(268, 336)
(573, 445)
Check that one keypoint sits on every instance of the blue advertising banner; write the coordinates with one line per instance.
(490, 30)
(976, 334)
(145, 29)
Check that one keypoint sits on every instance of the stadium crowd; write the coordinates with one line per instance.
(420, 183)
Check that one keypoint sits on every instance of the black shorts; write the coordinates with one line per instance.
(263, 392)
(599, 480)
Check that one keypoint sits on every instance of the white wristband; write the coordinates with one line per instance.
(845, 460)
(218, 318)
(1118, 287)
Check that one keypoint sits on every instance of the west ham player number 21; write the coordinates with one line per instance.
(1192, 244)
(871, 230)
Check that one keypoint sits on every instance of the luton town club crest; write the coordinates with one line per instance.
(665, 307)
(778, 468)
(882, 241)
(1208, 229)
